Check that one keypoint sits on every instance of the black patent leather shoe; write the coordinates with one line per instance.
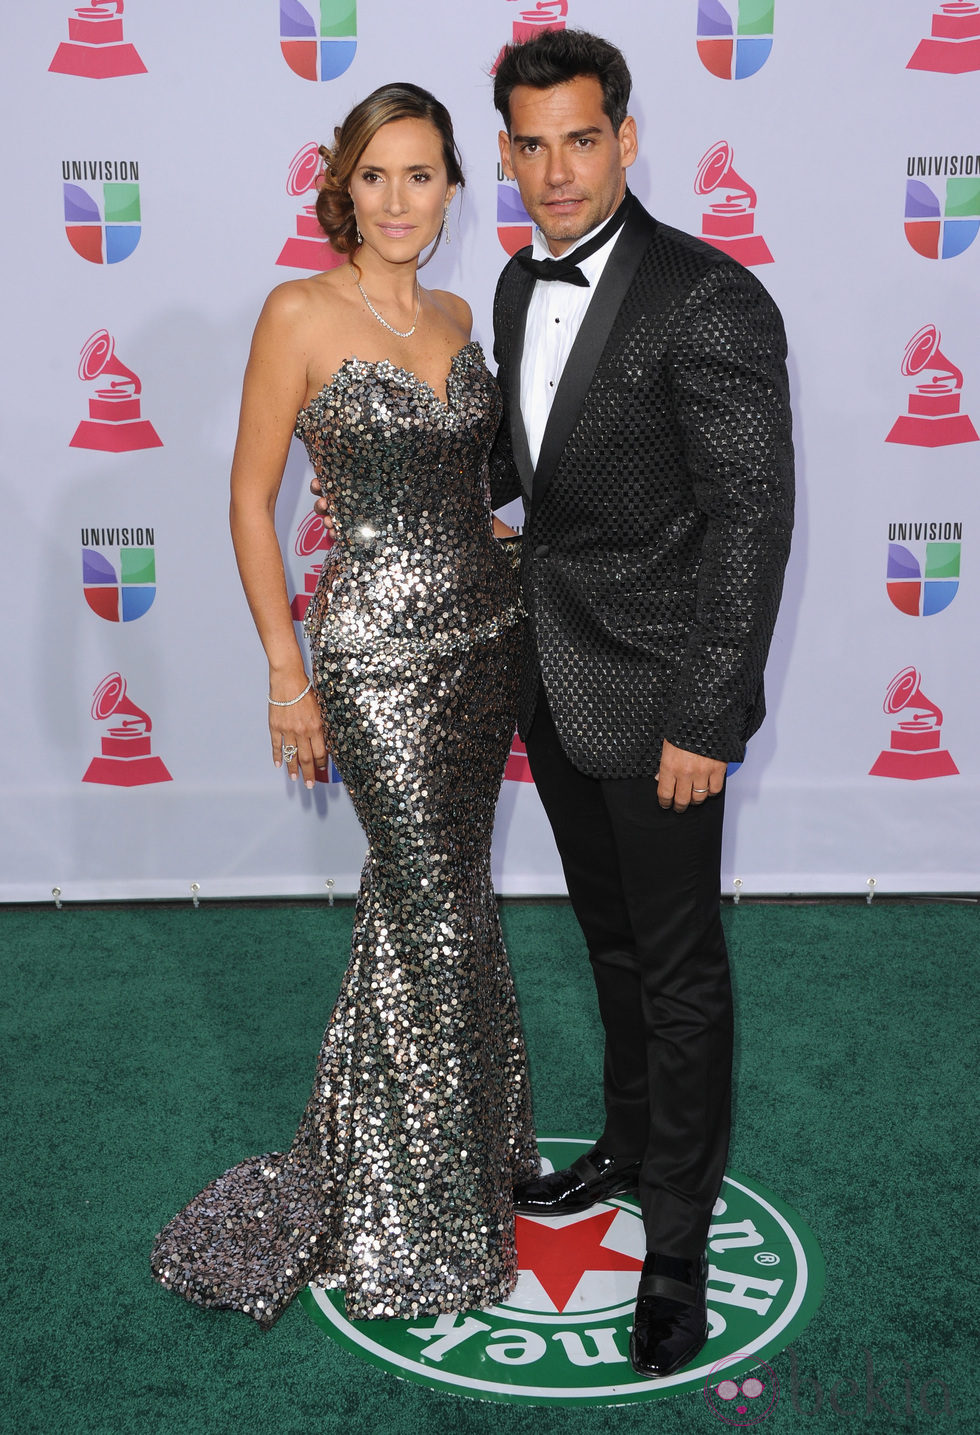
(593, 1177)
(671, 1321)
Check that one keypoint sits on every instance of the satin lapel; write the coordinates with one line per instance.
(590, 341)
(524, 284)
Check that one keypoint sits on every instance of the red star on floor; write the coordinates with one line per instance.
(559, 1258)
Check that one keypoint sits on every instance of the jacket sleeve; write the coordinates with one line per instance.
(505, 481)
(731, 396)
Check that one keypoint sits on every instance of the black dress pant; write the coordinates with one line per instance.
(644, 884)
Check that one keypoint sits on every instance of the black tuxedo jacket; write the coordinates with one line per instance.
(658, 517)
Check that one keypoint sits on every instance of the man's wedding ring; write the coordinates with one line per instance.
(693, 789)
(288, 751)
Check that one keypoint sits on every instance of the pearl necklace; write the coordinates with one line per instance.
(402, 334)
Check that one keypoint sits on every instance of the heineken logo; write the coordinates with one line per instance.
(562, 1337)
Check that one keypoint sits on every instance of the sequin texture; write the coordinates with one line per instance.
(398, 1185)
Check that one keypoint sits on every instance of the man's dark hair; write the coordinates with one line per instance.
(556, 56)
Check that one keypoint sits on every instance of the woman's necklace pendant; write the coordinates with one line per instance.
(401, 333)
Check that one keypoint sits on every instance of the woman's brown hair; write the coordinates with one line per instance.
(334, 206)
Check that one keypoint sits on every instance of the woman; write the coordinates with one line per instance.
(398, 1185)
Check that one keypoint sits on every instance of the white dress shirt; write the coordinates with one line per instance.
(554, 317)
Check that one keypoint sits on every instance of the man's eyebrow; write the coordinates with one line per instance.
(570, 135)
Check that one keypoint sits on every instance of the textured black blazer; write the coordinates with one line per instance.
(658, 518)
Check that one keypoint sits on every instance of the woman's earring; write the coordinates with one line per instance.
(445, 223)
(360, 236)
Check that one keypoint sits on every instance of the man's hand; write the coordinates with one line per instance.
(687, 777)
(320, 505)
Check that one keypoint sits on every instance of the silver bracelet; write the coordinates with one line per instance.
(274, 702)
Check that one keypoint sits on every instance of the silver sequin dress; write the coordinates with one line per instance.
(397, 1187)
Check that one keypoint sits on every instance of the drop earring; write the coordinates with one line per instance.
(445, 224)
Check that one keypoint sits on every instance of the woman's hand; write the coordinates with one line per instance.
(296, 730)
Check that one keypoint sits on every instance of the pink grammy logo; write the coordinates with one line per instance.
(933, 419)
(309, 247)
(517, 768)
(95, 47)
(545, 15)
(126, 759)
(311, 539)
(953, 47)
(915, 750)
(730, 224)
(114, 424)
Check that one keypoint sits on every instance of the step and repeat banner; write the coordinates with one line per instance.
(160, 170)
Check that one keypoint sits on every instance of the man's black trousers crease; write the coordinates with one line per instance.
(644, 884)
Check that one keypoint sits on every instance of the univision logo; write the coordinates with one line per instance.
(119, 572)
(923, 572)
(318, 41)
(102, 215)
(514, 225)
(562, 1337)
(735, 38)
(942, 220)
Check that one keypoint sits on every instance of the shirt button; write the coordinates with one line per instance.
(542, 550)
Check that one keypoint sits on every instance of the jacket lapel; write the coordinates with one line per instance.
(524, 284)
(590, 341)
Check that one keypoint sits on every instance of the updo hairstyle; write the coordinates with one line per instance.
(334, 206)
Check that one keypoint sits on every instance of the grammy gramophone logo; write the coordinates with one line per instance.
(312, 539)
(729, 223)
(915, 750)
(933, 418)
(115, 423)
(517, 768)
(952, 46)
(531, 20)
(95, 47)
(309, 247)
(126, 759)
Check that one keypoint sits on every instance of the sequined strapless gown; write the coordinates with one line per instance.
(397, 1186)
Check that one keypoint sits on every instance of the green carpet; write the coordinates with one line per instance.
(146, 1048)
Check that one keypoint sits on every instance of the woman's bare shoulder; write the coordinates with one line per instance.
(297, 300)
(455, 308)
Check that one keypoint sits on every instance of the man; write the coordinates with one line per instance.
(647, 426)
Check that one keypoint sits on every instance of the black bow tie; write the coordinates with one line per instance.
(567, 268)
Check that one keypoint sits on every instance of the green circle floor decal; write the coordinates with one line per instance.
(562, 1337)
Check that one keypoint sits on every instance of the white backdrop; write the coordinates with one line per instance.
(192, 115)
